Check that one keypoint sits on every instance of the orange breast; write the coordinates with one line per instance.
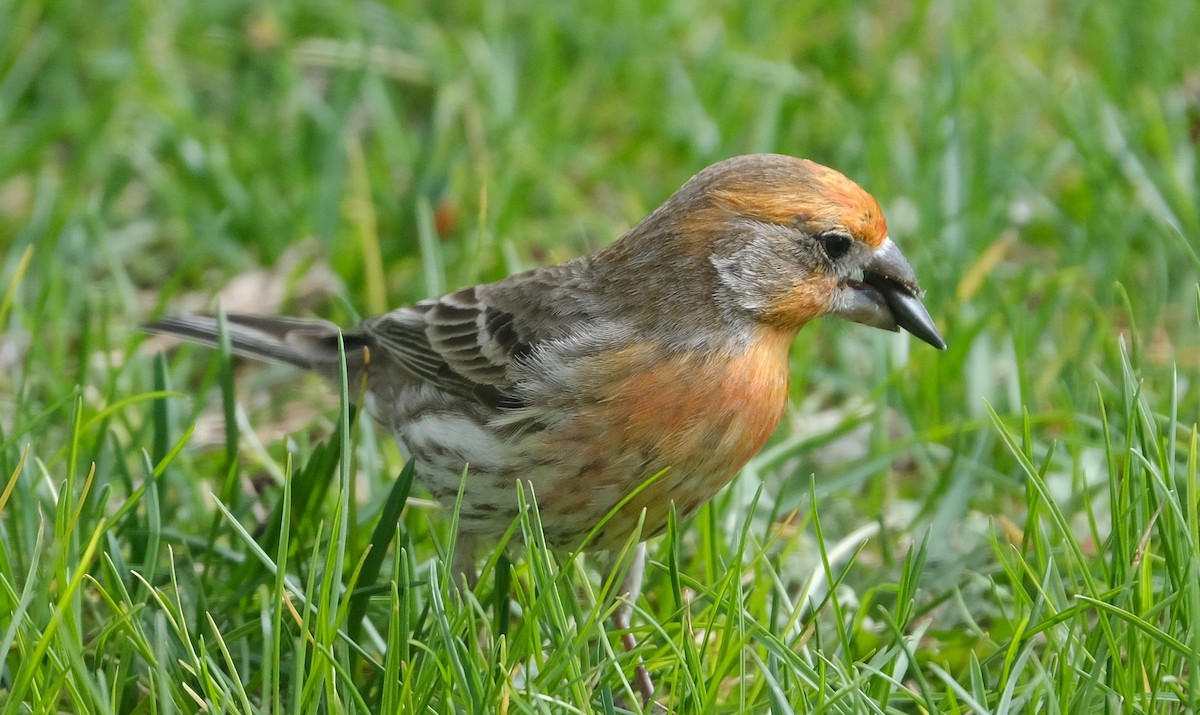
(702, 417)
(706, 413)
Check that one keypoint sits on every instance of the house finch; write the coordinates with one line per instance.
(665, 352)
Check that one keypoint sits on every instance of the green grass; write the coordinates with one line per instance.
(1011, 526)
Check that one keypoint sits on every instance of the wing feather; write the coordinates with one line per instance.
(456, 342)
(478, 342)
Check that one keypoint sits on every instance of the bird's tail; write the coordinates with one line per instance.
(308, 344)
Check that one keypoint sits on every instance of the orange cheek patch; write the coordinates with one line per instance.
(801, 304)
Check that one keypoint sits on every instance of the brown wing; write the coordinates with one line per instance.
(469, 342)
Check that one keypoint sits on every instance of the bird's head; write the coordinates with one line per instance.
(791, 240)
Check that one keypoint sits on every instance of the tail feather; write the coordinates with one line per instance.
(308, 344)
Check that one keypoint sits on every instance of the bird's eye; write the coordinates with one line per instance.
(834, 244)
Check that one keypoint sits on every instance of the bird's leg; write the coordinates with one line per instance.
(628, 592)
(464, 569)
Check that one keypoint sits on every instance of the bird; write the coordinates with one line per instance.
(618, 383)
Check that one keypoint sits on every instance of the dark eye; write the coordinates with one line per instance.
(834, 244)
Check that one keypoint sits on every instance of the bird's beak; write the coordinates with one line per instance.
(887, 297)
